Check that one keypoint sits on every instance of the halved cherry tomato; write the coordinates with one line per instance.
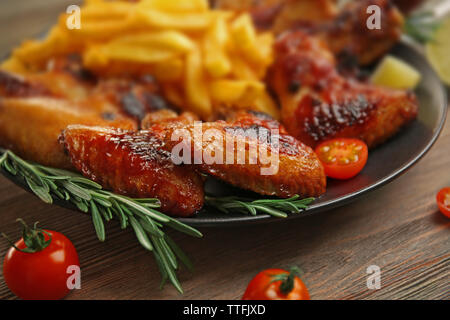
(342, 158)
(276, 284)
(443, 201)
(35, 268)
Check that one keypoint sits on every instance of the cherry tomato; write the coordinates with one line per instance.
(443, 201)
(276, 284)
(342, 158)
(35, 268)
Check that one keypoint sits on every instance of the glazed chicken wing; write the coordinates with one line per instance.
(319, 104)
(36, 107)
(134, 164)
(246, 152)
(344, 30)
(348, 35)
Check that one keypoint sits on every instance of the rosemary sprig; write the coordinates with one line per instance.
(422, 26)
(88, 196)
(274, 207)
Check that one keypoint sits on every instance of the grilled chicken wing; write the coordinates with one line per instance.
(344, 30)
(319, 104)
(247, 153)
(134, 164)
(30, 127)
(348, 35)
(35, 108)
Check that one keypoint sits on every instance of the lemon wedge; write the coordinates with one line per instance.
(395, 73)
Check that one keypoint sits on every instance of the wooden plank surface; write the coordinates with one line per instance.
(397, 228)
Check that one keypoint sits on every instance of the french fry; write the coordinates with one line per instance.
(171, 40)
(259, 100)
(265, 43)
(176, 5)
(240, 69)
(180, 21)
(105, 10)
(13, 64)
(215, 59)
(229, 91)
(194, 84)
(98, 30)
(135, 53)
(246, 40)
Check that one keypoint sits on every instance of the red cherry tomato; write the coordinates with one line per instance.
(443, 201)
(342, 158)
(276, 284)
(40, 275)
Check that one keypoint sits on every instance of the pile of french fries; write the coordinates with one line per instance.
(204, 59)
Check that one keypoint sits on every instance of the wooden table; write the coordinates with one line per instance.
(397, 228)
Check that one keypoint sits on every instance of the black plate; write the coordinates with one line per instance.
(385, 163)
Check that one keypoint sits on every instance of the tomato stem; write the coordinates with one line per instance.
(33, 238)
(287, 280)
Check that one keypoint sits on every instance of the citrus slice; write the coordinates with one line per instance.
(395, 73)
(438, 51)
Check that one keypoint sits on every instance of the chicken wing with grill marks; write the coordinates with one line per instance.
(251, 152)
(319, 104)
(134, 164)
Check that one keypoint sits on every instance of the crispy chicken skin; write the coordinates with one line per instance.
(134, 164)
(319, 104)
(290, 167)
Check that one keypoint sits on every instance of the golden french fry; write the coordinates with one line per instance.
(180, 21)
(259, 100)
(98, 57)
(38, 52)
(229, 91)
(176, 5)
(13, 64)
(243, 32)
(246, 41)
(240, 69)
(136, 53)
(106, 10)
(264, 42)
(98, 30)
(172, 40)
(195, 86)
(215, 59)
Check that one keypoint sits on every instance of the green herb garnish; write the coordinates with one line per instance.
(274, 207)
